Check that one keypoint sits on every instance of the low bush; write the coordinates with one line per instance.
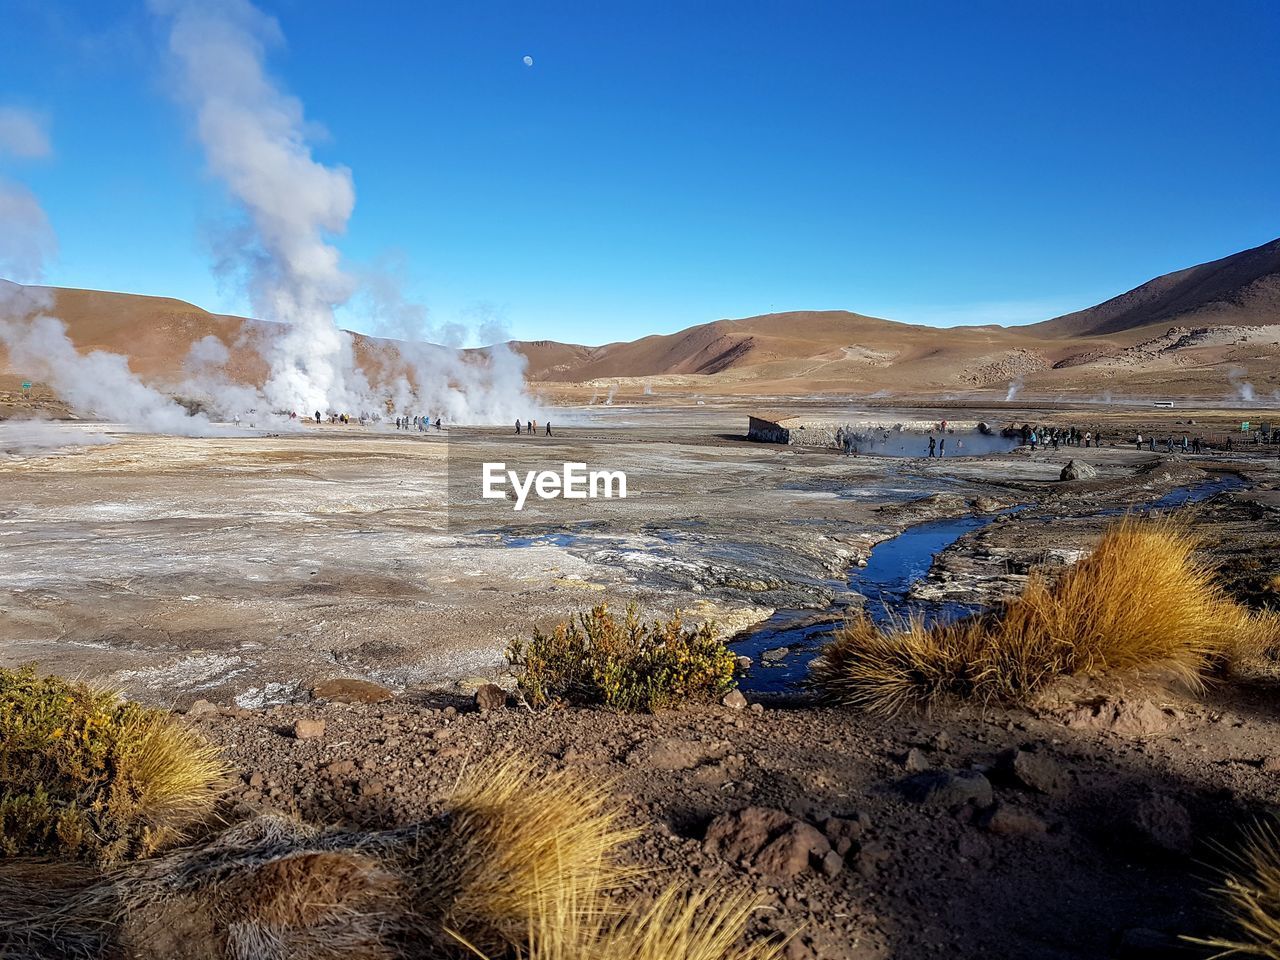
(1141, 600)
(87, 775)
(623, 664)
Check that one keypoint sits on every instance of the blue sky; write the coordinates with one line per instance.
(664, 164)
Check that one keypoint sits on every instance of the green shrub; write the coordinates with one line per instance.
(626, 665)
(88, 775)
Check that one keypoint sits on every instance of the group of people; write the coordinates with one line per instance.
(421, 424)
(1187, 444)
(1055, 437)
(531, 427)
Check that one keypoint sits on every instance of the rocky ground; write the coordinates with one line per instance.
(1082, 828)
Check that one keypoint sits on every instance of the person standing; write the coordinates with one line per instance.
(517, 428)
(548, 428)
(933, 446)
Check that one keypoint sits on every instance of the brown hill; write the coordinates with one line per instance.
(1241, 289)
(1198, 331)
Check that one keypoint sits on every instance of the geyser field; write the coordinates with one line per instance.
(327, 607)
(251, 568)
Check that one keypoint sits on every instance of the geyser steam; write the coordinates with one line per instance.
(254, 136)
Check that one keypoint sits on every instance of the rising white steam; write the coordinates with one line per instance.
(1244, 392)
(255, 139)
(95, 384)
(1015, 388)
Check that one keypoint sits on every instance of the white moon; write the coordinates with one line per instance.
(528, 61)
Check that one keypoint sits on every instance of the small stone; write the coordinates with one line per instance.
(340, 768)
(1163, 823)
(757, 708)
(738, 836)
(744, 664)
(915, 761)
(1271, 765)
(372, 788)
(308, 729)
(1077, 470)
(490, 697)
(256, 780)
(870, 857)
(775, 656)
(793, 852)
(1008, 821)
(201, 708)
(1031, 769)
(832, 863)
(946, 788)
(350, 690)
(942, 742)
(734, 700)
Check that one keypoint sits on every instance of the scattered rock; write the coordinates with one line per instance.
(915, 761)
(870, 857)
(832, 863)
(490, 697)
(843, 834)
(799, 847)
(740, 835)
(1077, 470)
(1162, 822)
(308, 729)
(775, 656)
(1008, 821)
(350, 690)
(734, 700)
(201, 708)
(340, 768)
(948, 788)
(1127, 718)
(1032, 770)
(770, 841)
(668, 753)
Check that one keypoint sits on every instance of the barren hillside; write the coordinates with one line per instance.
(1211, 330)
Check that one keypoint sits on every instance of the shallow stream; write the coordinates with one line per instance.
(782, 646)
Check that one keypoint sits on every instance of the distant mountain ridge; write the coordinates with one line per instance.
(1191, 330)
(1241, 289)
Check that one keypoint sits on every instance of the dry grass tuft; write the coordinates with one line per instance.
(1250, 897)
(678, 925)
(521, 838)
(521, 864)
(88, 775)
(1141, 601)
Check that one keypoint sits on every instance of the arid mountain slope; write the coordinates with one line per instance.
(1208, 330)
(1241, 289)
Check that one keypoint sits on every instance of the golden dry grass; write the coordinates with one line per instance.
(1141, 601)
(522, 863)
(678, 925)
(86, 774)
(1250, 898)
